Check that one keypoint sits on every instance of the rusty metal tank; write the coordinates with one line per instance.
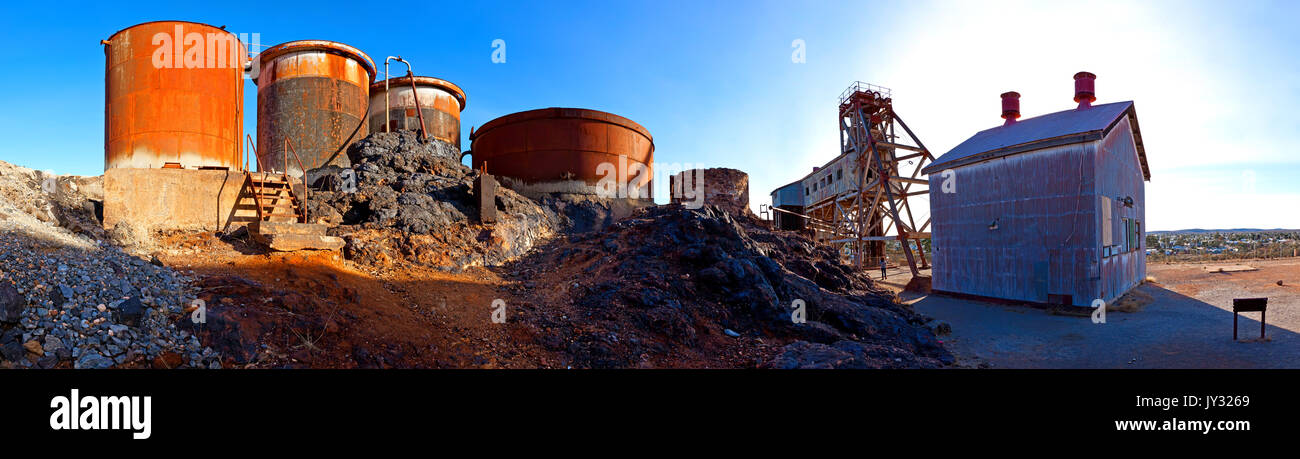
(173, 93)
(440, 101)
(565, 150)
(313, 93)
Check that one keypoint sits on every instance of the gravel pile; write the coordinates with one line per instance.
(69, 298)
(58, 209)
(94, 308)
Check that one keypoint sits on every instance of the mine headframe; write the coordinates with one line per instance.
(885, 180)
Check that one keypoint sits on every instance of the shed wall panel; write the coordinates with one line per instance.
(1119, 173)
(1020, 227)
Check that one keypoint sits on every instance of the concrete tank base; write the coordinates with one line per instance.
(175, 199)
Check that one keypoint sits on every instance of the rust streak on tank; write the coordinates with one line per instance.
(314, 93)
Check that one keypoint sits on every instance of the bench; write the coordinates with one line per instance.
(1240, 305)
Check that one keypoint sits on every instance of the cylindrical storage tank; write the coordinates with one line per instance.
(173, 93)
(440, 102)
(567, 150)
(314, 94)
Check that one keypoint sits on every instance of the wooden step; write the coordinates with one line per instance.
(286, 205)
(282, 205)
(272, 197)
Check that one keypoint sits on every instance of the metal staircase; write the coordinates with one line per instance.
(282, 223)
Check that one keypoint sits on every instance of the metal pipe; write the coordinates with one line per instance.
(387, 108)
(419, 111)
(387, 77)
(410, 75)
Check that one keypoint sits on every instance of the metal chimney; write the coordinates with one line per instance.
(1010, 107)
(1084, 93)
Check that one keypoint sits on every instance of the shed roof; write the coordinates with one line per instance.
(794, 184)
(1053, 129)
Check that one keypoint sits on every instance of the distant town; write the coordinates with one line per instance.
(1202, 245)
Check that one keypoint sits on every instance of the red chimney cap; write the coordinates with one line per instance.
(1084, 89)
(1010, 107)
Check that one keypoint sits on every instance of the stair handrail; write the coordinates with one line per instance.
(257, 190)
(306, 192)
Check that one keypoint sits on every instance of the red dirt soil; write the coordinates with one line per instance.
(313, 309)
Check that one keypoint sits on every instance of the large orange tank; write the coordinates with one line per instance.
(313, 93)
(173, 93)
(566, 150)
(440, 102)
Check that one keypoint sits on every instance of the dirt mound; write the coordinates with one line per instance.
(409, 200)
(677, 287)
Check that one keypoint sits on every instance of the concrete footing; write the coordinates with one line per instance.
(175, 199)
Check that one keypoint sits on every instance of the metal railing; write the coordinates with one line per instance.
(257, 190)
(858, 86)
(289, 183)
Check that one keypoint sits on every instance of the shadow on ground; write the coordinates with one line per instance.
(1174, 331)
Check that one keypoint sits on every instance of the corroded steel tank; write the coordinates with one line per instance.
(440, 102)
(173, 93)
(313, 93)
(565, 150)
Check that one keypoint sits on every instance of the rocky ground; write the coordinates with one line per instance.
(672, 286)
(420, 281)
(69, 298)
(404, 200)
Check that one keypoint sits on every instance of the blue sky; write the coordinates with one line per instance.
(1216, 86)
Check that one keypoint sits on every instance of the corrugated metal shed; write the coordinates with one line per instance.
(788, 195)
(1053, 129)
(1048, 209)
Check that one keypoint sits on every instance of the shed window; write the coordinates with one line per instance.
(1125, 244)
(1106, 222)
(1134, 235)
(839, 174)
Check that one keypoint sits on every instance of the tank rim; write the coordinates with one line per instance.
(326, 45)
(562, 112)
(439, 83)
(124, 29)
